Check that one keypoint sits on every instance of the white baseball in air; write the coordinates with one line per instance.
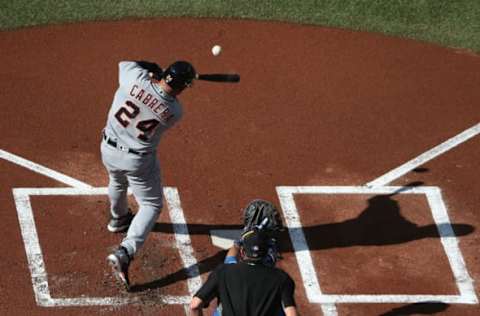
(216, 50)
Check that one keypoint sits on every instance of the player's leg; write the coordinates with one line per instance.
(121, 217)
(147, 188)
(117, 191)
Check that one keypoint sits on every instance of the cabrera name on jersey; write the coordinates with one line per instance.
(141, 111)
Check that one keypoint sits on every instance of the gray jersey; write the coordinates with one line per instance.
(141, 111)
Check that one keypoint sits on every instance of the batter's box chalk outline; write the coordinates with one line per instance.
(36, 263)
(310, 280)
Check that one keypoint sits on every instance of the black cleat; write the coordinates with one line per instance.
(117, 225)
(120, 261)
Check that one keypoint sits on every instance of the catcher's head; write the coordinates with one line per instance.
(254, 245)
(179, 75)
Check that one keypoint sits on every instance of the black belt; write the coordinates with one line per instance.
(113, 143)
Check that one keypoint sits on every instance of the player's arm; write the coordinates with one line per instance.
(232, 254)
(288, 301)
(152, 68)
(196, 306)
(205, 294)
(290, 311)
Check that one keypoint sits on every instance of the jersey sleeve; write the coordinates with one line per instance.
(129, 72)
(209, 290)
(230, 260)
(288, 290)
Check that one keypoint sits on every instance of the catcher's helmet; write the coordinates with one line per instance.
(255, 244)
(179, 75)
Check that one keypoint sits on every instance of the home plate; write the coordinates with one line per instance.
(224, 238)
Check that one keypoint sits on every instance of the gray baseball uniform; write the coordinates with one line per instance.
(141, 111)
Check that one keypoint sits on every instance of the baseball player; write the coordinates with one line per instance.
(145, 105)
(249, 287)
(263, 216)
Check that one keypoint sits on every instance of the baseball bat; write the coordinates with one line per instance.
(219, 77)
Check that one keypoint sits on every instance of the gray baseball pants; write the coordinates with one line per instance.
(142, 174)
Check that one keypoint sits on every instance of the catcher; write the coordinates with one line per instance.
(268, 290)
(264, 216)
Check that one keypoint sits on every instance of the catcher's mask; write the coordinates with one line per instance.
(179, 75)
(255, 244)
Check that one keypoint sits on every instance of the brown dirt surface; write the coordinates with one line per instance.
(314, 106)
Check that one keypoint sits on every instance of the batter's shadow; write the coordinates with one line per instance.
(206, 265)
(380, 223)
(203, 266)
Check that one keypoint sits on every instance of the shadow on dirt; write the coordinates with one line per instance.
(205, 265)
(380, 223)
(425, 308)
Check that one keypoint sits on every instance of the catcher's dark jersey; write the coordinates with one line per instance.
(249, 290)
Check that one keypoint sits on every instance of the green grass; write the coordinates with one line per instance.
(454, 23)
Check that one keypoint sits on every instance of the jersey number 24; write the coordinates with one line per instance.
(130, 111)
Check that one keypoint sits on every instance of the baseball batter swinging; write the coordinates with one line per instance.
(145, 105)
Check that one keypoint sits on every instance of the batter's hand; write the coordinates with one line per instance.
(154, 70)
(155, 76)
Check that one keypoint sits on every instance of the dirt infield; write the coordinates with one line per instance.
(315, 107)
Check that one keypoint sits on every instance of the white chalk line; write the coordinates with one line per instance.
(302, 253)
(32, 244)
(33, 251)
(390, 298)
(426, 156)
(291, 190)
(43, 170)
(307, 270)
(450, 244)
(299, 242)
(182, 238)
(186, 309)
(108, 301)
(458, 266)
(36, 262)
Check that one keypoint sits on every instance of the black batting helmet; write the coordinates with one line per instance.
(179, 75)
